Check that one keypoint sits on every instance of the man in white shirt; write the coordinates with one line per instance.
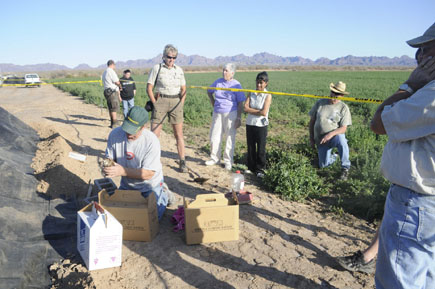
(407, 234)
(112, 86)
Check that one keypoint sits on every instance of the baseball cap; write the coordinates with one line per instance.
(136, 118)
(428, 36)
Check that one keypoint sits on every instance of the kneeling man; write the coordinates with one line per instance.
(328, 124)
(136, 152)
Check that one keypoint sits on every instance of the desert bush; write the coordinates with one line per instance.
(292, 175)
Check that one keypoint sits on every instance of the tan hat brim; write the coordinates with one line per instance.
(334, 89)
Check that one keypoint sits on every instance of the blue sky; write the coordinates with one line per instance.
(92, 32)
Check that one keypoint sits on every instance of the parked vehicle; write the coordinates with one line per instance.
(32, 79)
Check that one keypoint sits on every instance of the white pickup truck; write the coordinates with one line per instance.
(32, 79)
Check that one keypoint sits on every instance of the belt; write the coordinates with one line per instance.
(170, 96)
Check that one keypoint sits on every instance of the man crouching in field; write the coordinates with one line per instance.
(407, 234)
(136, 152)
(328, 125)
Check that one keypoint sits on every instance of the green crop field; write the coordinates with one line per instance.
(292, 163)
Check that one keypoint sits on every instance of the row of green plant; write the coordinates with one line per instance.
(292, 168)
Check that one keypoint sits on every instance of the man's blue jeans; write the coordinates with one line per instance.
(406, 241)
(126, 105)
(324, 151)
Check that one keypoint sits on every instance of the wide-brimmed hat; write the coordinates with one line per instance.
(428, 36)
(136, 118)
(339, 87)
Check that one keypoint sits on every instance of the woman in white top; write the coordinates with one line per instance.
(257, 106)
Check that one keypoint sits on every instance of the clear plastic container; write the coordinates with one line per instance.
(237, 182)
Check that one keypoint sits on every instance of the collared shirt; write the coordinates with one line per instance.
(329, 117)
(408, 159)
(256, 101)
(226, 101)
(109, 78)
(169, 80)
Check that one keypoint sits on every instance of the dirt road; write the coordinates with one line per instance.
(282, 244)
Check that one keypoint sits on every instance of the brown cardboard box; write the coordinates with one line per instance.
(137, 215)
(211, 218)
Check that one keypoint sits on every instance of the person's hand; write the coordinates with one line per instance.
(326, 138)
(423, 74)
(113, 171)
(312, 143)
(238, 123)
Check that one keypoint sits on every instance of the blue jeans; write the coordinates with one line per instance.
(324, 151)
(161, 197)
(406, 256)
(126, 105)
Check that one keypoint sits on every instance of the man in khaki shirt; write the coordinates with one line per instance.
(168, 98)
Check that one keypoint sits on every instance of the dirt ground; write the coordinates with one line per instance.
(282, 244)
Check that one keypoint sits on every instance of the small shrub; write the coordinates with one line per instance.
(291, 175)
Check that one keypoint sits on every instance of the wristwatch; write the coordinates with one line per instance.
(406, 87)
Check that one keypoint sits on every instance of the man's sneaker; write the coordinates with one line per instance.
(260, 175)
(356, 262)
(247, 172)
(183, 168)
(171, 196)
(228, 167)
(344, 174)
(210, 163)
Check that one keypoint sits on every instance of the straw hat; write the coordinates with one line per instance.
(428, 36)
(339, 87)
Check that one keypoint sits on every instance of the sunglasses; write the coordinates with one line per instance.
(171, 57)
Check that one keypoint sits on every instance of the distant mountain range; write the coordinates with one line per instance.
(264, 58)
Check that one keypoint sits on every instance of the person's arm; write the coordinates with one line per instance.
(311, 129)
(211, 97)
(150, 92)
(150, 84)
(260, 112)
(239, 114)
(118, 170)
(422, 75)
(331, 134)
(376, 125)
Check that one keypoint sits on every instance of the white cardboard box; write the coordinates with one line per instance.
(99, 238)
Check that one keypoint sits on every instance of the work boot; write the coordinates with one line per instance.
(183, 168)
(356, 262)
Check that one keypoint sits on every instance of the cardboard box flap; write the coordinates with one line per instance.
(206, 201)
(126, 198)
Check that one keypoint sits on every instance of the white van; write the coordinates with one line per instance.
(32, 79)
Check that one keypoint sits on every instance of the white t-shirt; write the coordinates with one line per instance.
(256, 101)
(143, 153)
(109, 78)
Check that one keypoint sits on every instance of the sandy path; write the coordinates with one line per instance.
(282, 244)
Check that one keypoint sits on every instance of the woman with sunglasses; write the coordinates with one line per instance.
(168, 98)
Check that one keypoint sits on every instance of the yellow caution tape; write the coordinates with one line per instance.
(347, 98)
(47, 83)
